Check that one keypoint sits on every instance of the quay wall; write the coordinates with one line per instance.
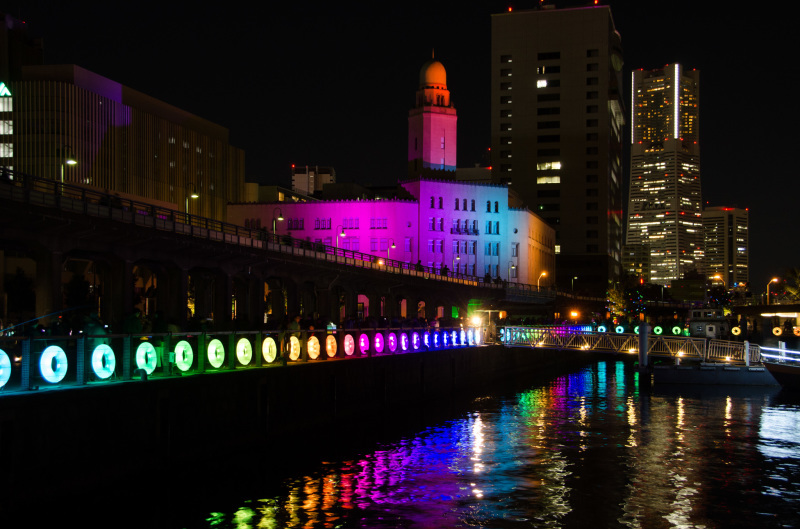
(94, 432)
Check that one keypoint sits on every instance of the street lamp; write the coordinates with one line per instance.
(540, 278)
(456, 257)
(388, 249)
(191, 193)
(719, 278)
(773, 280)
(511, 266)
(338, 234)
(67, 160)
(573, 283)
(274, 218)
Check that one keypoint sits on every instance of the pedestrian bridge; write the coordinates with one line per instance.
(40, 362)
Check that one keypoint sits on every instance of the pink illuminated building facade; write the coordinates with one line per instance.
(432, 123)
(466, 227)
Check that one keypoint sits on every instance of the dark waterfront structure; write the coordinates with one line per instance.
(557, 127)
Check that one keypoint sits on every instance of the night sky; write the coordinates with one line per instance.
(331, 84)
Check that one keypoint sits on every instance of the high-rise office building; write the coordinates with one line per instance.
(727, 245)
(557, 122)
(664, 210)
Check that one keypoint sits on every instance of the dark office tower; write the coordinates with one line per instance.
(664, 212)
(557, 121)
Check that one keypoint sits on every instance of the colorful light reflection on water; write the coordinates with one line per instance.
(586, 450)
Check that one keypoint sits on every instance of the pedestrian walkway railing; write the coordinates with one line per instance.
(45, 362)
(72, 198)
(781, 355)
(675, 347)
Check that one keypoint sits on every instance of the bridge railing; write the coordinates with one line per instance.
(77, 199)
(676, 347)
(52, 362)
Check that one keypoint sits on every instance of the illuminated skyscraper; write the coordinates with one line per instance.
(557, 122)
(664, 212)
(727, 245)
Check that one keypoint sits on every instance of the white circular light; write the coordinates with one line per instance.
(244, 351)
(216, 353)
(183, 355)
(103, 361)
(294, 348)
(313, 347)
(53, 364)
(146, 357)
(331, 346)
(5, 368)
(269, 350)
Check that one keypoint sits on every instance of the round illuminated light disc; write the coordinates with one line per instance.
(331, 346)
(313, 347)
(657, 329)
(146, 357)
(477, 337)
(796, 331)
(470, 337)
(183, 355)
(404, 342)
(426, 339)
(363, 343)
(53, 364)
(462, 337)
(216, 353)
(378, 342)
(349, 345)
(294, 348)
(269, 350)
(103, 361)
(602, 328)
(445, 339)
(736, 331)
(415, 343)
(620, 329)
(777, 331)
(676, 330)
(5, 368)
(244, 351)
(437, 339)
(392, 341)
(636, 330)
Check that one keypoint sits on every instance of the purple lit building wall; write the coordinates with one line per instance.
(469, 228)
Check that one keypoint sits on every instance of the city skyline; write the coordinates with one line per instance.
(339, 89)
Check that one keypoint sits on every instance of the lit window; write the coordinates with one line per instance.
(541, 83)
(544, 166)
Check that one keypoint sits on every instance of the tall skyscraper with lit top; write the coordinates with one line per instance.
(665, 202)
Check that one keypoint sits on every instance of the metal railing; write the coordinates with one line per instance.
(675, 347)
(72, 198)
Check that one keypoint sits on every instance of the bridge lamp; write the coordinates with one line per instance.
(511, 266)
(339, 233)
(540, 278)
(274, 219)
(68, 160)
(388, 249)
(191, 192)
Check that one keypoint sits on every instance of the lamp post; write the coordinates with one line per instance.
(456, 257)
(274, 219)
(388, 249)
(511, 266)
(773, 280)
(573, 282)
(67, 160)
(338, 234)
(540, 278)
(191, 192)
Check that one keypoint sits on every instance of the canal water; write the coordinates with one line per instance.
(593, 448)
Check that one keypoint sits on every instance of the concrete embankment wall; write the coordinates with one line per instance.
(52, 436)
